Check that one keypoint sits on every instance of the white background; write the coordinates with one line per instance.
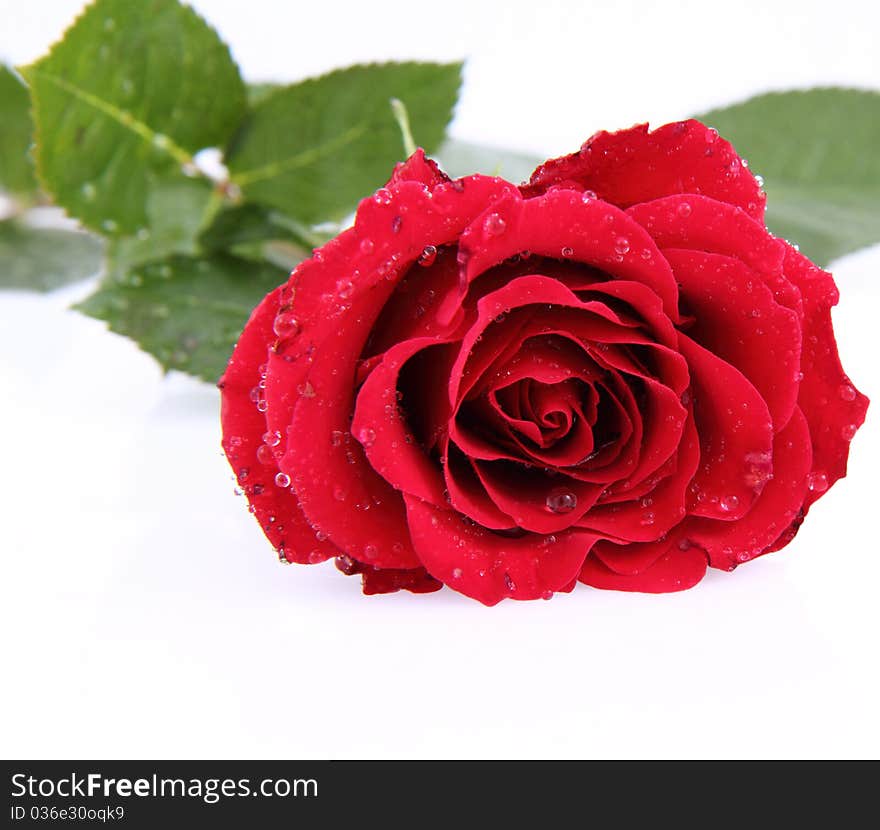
(143, 613)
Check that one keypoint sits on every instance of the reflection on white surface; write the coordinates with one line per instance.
(146, 616)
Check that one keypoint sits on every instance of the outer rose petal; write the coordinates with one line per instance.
(734, 426)
(390, 448)
(635, 165)
(699, 223)
(275, 508)
(736, 318)
(489, 567)
(334, 330)
(561, 224)
(675, 570)
(832, 405)
(731, 543)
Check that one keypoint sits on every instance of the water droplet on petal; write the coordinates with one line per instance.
(371, 551)
(817, 481)
(567, 252)
(684, 209)
(367, 436)
(456, 573)
(711, 135)
(494, 225)
(429, 254)
(729, 503)
(743, 556)
(367, 246)
(272, 439)
(383, 196)
(588, 196)
(282, 480)
(848, 432)
(285, 325)
(621, 245)
(339, 494)
(508, 582)
(264, 455)
(847, 392)
(344, 289)
(561, 501)
(396, 224)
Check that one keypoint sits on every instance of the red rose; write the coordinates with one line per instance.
(612, 374)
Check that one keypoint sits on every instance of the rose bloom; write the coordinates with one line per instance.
(613, 374)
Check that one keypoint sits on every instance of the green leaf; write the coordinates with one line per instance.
(40, 259)
(175, 211)
(16, 135)
(817, 150)
(314, 148)
(247, 223)
(257, 92)
(461, 158)
(123, 102)
(186, 312)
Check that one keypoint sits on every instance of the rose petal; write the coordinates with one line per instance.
(675, 570)
(834, 408)
(634, 165)
(275, 508)
(653, 514)
(388, 444)
(736, 318)
(560, 223)
(700, 223)
(734, 426)
(731, 543)
(335, 326)
(490, 567)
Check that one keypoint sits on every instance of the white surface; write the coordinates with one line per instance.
(143, 614)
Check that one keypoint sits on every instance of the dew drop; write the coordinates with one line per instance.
(567, 252)
(621, 245)
(367, 436)
(383, 196)
(817, 481)
(561, 501)
(285, 325)
(344, 289)
(367, 246)
(743, 556)
(282, 480)
(588, 196)
(428, 256)
(396, 224)
(848, 432)
(339, 494)
(346, 564)
(847, 392)
(264, 455)
(272, 439)
(729, 503)
(494, 225)
(306, 390)
(456, 573)
(684, 209)
(508, 582)
(547, 594)
(711, 135)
